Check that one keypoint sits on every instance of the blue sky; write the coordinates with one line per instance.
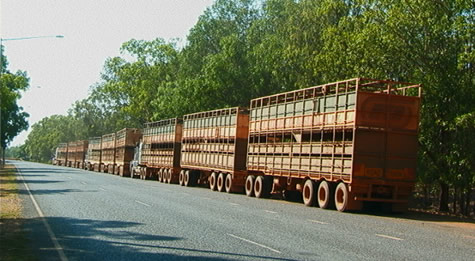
(62, 71)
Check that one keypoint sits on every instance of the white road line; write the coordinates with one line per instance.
(145, 204)
(51, 234)
(206, 198)
(272, 212)
(234, 204)
(255, 243)
(103, 189)
(84, 183)
(318, 222)
(390, 237)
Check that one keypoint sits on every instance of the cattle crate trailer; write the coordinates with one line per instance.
(108, 153)
(340, 144)
(62, 154)
(126, 140)
(214, 146)
(71, 154)
(160, 150)
(93, 155)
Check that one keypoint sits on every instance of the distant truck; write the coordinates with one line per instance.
(108, 153)
(158, 153)
(126, 140)
(93, 158)
(61, 157)
(77, 153)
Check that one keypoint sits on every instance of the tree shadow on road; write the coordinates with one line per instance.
(44, 191)
(28, 171)
(87, 239)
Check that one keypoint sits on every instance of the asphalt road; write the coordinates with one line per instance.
(97, 216)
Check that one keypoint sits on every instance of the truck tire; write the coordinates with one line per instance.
(249, 186)
(169, 175)
(228, 183)
(220, 182)
(261, 187)
(309, 193)
(212, 181)
(341, 197)
(181, 178)
(324, 195)
(187, 178)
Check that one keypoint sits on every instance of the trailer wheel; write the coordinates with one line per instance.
(324, 195)
(249, 187)
(164, 176)
(181, 178)
(341, 197)
(213, 180)
(261, 187)
(169, 175)
(187, 178)
(220, 183)
(159, 175)
(309, 193)
(228, 183)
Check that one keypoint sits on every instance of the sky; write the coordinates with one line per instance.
(62, 70)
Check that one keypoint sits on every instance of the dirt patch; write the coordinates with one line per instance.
(13, 241)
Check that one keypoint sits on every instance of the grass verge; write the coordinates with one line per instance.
(14, 243)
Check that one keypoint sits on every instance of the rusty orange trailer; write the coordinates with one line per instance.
(71, 154)
(93, 155)
(61, 154)
(108, 153)
(126, 140)
(79, 149)
(340, 144)
(160, 150)
(214, 146)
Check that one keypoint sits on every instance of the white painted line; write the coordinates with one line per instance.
(145, 204)
(84, 183)
(103, 189)
(272, 212)
(234, 204)
(255, 243)
(206, 198)
(318, 222)
(51, 234)
(390, 237)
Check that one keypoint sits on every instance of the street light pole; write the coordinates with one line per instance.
(2, 152)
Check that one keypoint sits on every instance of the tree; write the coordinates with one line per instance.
(13, 118)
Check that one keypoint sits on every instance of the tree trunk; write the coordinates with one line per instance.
(468, 196)
(454, 208)
(426, 195)
(2, 159)
(444, 197)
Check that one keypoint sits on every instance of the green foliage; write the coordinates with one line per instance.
(17, 152)
(13, 118)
